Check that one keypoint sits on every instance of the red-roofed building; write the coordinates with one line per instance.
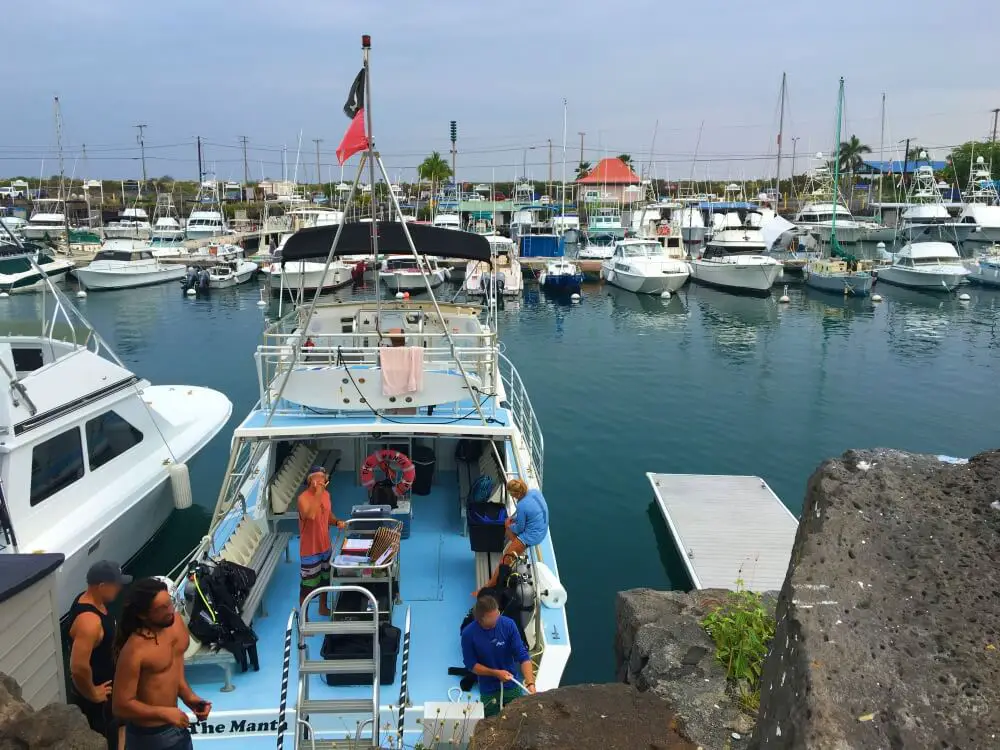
(611, 180)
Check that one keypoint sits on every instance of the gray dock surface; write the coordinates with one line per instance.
(727, 527)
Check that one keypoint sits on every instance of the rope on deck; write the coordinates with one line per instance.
(403, 697)
(285, 666)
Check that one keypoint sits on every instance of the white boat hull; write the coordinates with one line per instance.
(127, 233)
(845, 234)
(30, 281)
(127, 279)
(641, 284)
(750, 277)
(41, 233)
(985, 273)
(976, 233)
(924, 280)
(308, 277)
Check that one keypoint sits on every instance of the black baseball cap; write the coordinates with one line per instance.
(106, 571)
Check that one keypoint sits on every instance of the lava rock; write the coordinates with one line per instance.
(55, 726)
(661, 647)
(583, 717)
(888, 632)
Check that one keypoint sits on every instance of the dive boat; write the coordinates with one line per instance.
(403, 568)
(928, 266)
(643, 266)
(22, 267)
(403, 274)
(94, 457)
(561, 277)
(503, 272)
(123, 264)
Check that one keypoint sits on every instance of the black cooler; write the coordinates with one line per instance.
(341, 646)
(486, 526)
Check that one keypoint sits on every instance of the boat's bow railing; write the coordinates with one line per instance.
(523, 414)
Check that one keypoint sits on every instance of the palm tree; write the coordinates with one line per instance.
(914, 153)
(852, 154)
(625, 159)
(435, 169)
(583, 169)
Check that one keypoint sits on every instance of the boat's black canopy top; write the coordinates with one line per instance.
(356, 239)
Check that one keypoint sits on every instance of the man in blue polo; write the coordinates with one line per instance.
(492, 649)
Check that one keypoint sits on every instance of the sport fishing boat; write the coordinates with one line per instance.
(406, 404)
(823, 202)
(643, 267)
(124, 264)
(503, 272)
(47, 220)
(980, 217)
(132, 223)
(206, 219)
(928, 266)
(167, 230)
(94, 458)
(22, 267)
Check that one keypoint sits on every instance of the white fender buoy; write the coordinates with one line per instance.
(399, 295)
(575, 297)
(191, 292)
(964, 297)
(881, 246)
(4, 295)
(81, 294)
(665, 294)
(550, 590)
(180, 485)
(261, 303)
(876, 298)
(784, 299)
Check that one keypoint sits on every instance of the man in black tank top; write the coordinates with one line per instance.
(91, 633)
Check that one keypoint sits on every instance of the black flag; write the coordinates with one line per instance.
(356, 97)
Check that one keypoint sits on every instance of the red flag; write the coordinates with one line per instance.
(354, 139)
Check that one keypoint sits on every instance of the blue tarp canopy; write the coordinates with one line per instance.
(895, 166)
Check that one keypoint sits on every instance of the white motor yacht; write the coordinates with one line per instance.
(980, 217)
(736, 271)
(132, 223)
(926, 217)
(123, 264)
(47, 220)
(928, 266)
(206, 219)
(401, 273)
(94, 457)
(504, 268)
(644, 267)
(230, 273)
(447, 221)
(167, 230)
(22, 267)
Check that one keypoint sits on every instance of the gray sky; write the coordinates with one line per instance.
(268, 70)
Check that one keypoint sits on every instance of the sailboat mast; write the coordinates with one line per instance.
(881, 157)
(836, 171)
(781, 132)
(563, 209)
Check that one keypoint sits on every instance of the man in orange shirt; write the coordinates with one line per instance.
(315, 519)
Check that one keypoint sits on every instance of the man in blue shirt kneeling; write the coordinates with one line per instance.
(492, 648)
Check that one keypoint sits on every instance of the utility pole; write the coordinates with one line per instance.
(319, 178)
(550, 168)
(795, 142)
(246, 167)
(201, 169)
(906, 159)
(581, 133)
(142, 148)
(995, 113)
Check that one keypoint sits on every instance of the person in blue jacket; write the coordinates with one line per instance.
(526, 528)
(492, 650)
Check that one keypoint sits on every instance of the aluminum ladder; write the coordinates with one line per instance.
(366, 709)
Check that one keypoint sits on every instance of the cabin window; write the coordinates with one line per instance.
(27, 360)
(56, 464)
(109, 436)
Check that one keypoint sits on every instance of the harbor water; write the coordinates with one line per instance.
(705, 382)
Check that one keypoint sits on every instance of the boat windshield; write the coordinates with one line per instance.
(640, 250)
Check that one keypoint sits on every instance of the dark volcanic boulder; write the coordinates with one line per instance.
(54, 727)
(583, 717)
(661, 647)
(888, 630)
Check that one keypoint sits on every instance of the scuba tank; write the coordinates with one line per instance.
(521, 596)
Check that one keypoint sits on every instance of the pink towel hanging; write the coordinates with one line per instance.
(402, 370)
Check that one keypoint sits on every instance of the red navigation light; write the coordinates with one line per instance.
(366, 41)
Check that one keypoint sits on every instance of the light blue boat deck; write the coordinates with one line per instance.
(437, 577)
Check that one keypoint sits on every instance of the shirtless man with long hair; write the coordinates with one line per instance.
(149, 674)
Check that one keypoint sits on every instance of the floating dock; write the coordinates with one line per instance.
(727, 527)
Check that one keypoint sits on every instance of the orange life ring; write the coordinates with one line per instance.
(397, 467)
(663, 231)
